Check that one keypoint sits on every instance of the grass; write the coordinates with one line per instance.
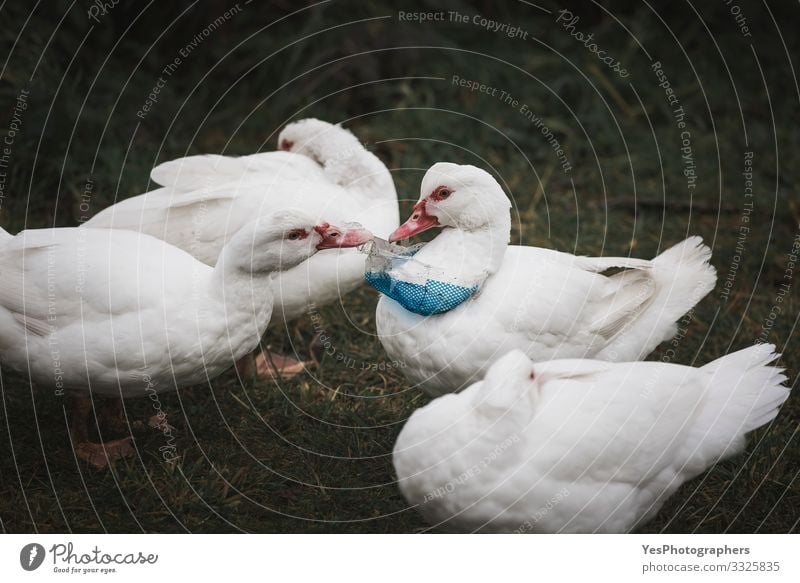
(314, 454)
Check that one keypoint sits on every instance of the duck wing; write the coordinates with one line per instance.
(631, 420)
(210, 170)
(65, 275)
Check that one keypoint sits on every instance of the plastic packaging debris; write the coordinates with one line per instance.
(420, 288)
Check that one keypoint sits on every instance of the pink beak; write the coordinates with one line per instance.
(334, 237)
(419, 221)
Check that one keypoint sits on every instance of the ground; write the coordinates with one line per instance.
(90, 106)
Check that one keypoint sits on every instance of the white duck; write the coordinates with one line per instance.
(323, 171)
(579, 445)
(547, 303)
(123, 314)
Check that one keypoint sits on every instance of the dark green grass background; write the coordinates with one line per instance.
(314, 454)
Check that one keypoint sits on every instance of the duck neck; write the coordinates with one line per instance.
(237, 305)
(470, 253)
(241, 279)
(350, 165)
(246, 298)
(239, 289)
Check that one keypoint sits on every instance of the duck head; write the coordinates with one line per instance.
(459, 196)
(282, 240)
(511, 385)
(316, 139)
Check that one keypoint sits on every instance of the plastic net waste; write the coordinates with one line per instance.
(392, 270)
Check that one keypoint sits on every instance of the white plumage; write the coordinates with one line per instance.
(109, 308)
(579, 445)
(325, 172)
(123, 314)
(547, 303)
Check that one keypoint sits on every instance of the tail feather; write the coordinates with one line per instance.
(742, 394)
(749, 392)
(5, 235)
(685, 273)
(680, 277)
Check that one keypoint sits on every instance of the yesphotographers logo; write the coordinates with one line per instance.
(31, 556)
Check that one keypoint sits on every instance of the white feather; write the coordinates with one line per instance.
(547, 303)
(206, 200)
(116, 312)
(579, 445)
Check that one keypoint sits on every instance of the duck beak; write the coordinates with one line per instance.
(335, 238)
(419, 221)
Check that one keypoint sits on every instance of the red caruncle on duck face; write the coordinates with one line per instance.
(335, 237)
(420, 220)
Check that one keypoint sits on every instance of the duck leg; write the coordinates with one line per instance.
(159, 421)
(268, 363)
(316, 347)
(246, 366)
(118, 421)
(114, 418)
(97, 454)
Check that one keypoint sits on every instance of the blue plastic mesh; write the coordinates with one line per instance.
(428, 297)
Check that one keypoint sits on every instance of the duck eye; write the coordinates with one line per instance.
(532, 376)
(295, 235)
